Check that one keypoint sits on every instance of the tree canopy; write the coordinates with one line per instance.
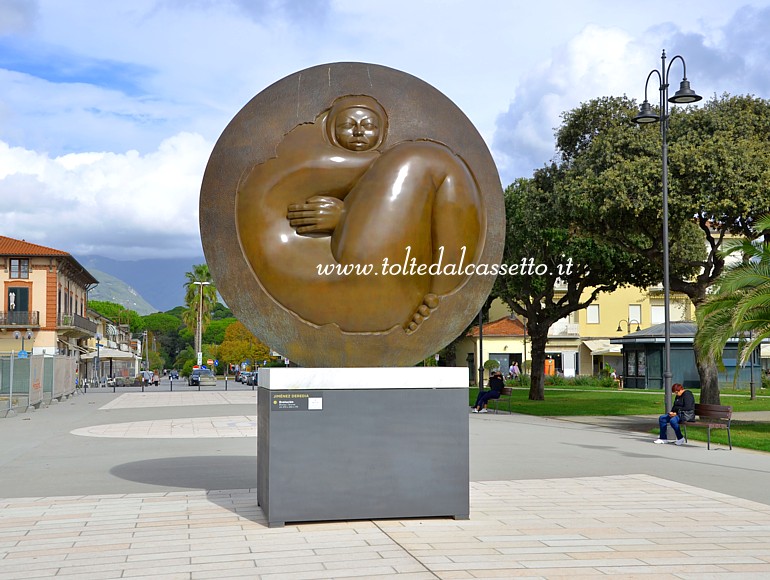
(240, 345)
(571, 267)
(741, 305)
(719, 182)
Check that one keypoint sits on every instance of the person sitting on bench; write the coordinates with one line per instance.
(496, 384)
(683, 409)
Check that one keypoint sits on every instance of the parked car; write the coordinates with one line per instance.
(243, 377)
(201, 378)
(253, 379)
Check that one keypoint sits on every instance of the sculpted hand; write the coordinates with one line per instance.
(320, 214)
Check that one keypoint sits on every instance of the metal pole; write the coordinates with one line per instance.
(667, 375)
(10, 387)
(200, 323)
(752, 390)
(481, 349)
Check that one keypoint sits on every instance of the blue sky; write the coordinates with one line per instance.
(109, 110)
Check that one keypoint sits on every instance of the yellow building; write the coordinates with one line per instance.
(580, 343)
(45, 297)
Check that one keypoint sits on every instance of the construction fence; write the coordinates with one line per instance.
(34, 381)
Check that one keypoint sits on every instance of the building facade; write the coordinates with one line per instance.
(44, 300)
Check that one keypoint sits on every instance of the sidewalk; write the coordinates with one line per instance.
(549, 499)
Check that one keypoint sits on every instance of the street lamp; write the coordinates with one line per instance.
(98, 360)
(18, 335)
(198, 333)
(628, 325)
(646, 115)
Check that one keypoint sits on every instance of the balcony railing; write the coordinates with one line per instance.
(76, 321)
(563, 329)
(20, 318)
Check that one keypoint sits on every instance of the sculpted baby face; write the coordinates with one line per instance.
(357, 128)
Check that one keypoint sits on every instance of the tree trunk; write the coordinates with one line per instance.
(708, 373)
(709, 380)
(537, 375)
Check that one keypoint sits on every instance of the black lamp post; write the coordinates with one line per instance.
(646, 115)
(98, 360)
(628, 325)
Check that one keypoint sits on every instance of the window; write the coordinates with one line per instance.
(634, 314)
(657, 314)
(592, 314)
(631, 364)
(19, 268)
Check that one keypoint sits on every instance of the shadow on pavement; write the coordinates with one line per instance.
(210, 472)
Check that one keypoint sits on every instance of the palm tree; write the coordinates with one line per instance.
(741, 305)
(201, 295)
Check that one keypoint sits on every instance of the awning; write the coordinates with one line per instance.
(602, 346)
(110, 353)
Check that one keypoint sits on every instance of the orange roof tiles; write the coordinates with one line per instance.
(12, 247)
(19, 248)
(503, 327)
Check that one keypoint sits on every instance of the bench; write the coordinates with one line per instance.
(712, 417)
(506, 394)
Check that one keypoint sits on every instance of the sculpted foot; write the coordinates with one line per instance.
(424, 310)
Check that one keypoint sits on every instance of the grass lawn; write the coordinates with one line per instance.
(743, 433)
(571, 401)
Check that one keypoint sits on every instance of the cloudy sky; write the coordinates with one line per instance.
(110, 109)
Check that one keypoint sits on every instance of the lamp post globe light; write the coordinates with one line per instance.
(628, 325)
(198, 333)
(646, 115)
(18, 335)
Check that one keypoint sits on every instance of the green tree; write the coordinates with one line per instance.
(719, 180)
(200, 299)
(741, 305)
(221, 312)
(118, 314)
(573, 267)
(164, 331)
(185, 356)
(215, 333)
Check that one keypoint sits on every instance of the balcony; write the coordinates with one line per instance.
(19, 318)
(562, 328)
(75, 325)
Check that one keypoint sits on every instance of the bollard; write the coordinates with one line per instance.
(171, 382)
(225, 382)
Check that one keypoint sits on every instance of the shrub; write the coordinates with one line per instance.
(555, 380)
(607, 383)
(491, 365)
(582, 381)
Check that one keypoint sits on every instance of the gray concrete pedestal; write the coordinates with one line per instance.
(345, 444)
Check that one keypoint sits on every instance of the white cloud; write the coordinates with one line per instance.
(17, 16)
(106, 121)
(111, 204)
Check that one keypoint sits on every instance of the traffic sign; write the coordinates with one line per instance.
(23, 354)
(210, 361)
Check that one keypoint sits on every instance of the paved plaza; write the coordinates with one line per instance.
(162, 485)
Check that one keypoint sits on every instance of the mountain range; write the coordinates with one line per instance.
(146, 286)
